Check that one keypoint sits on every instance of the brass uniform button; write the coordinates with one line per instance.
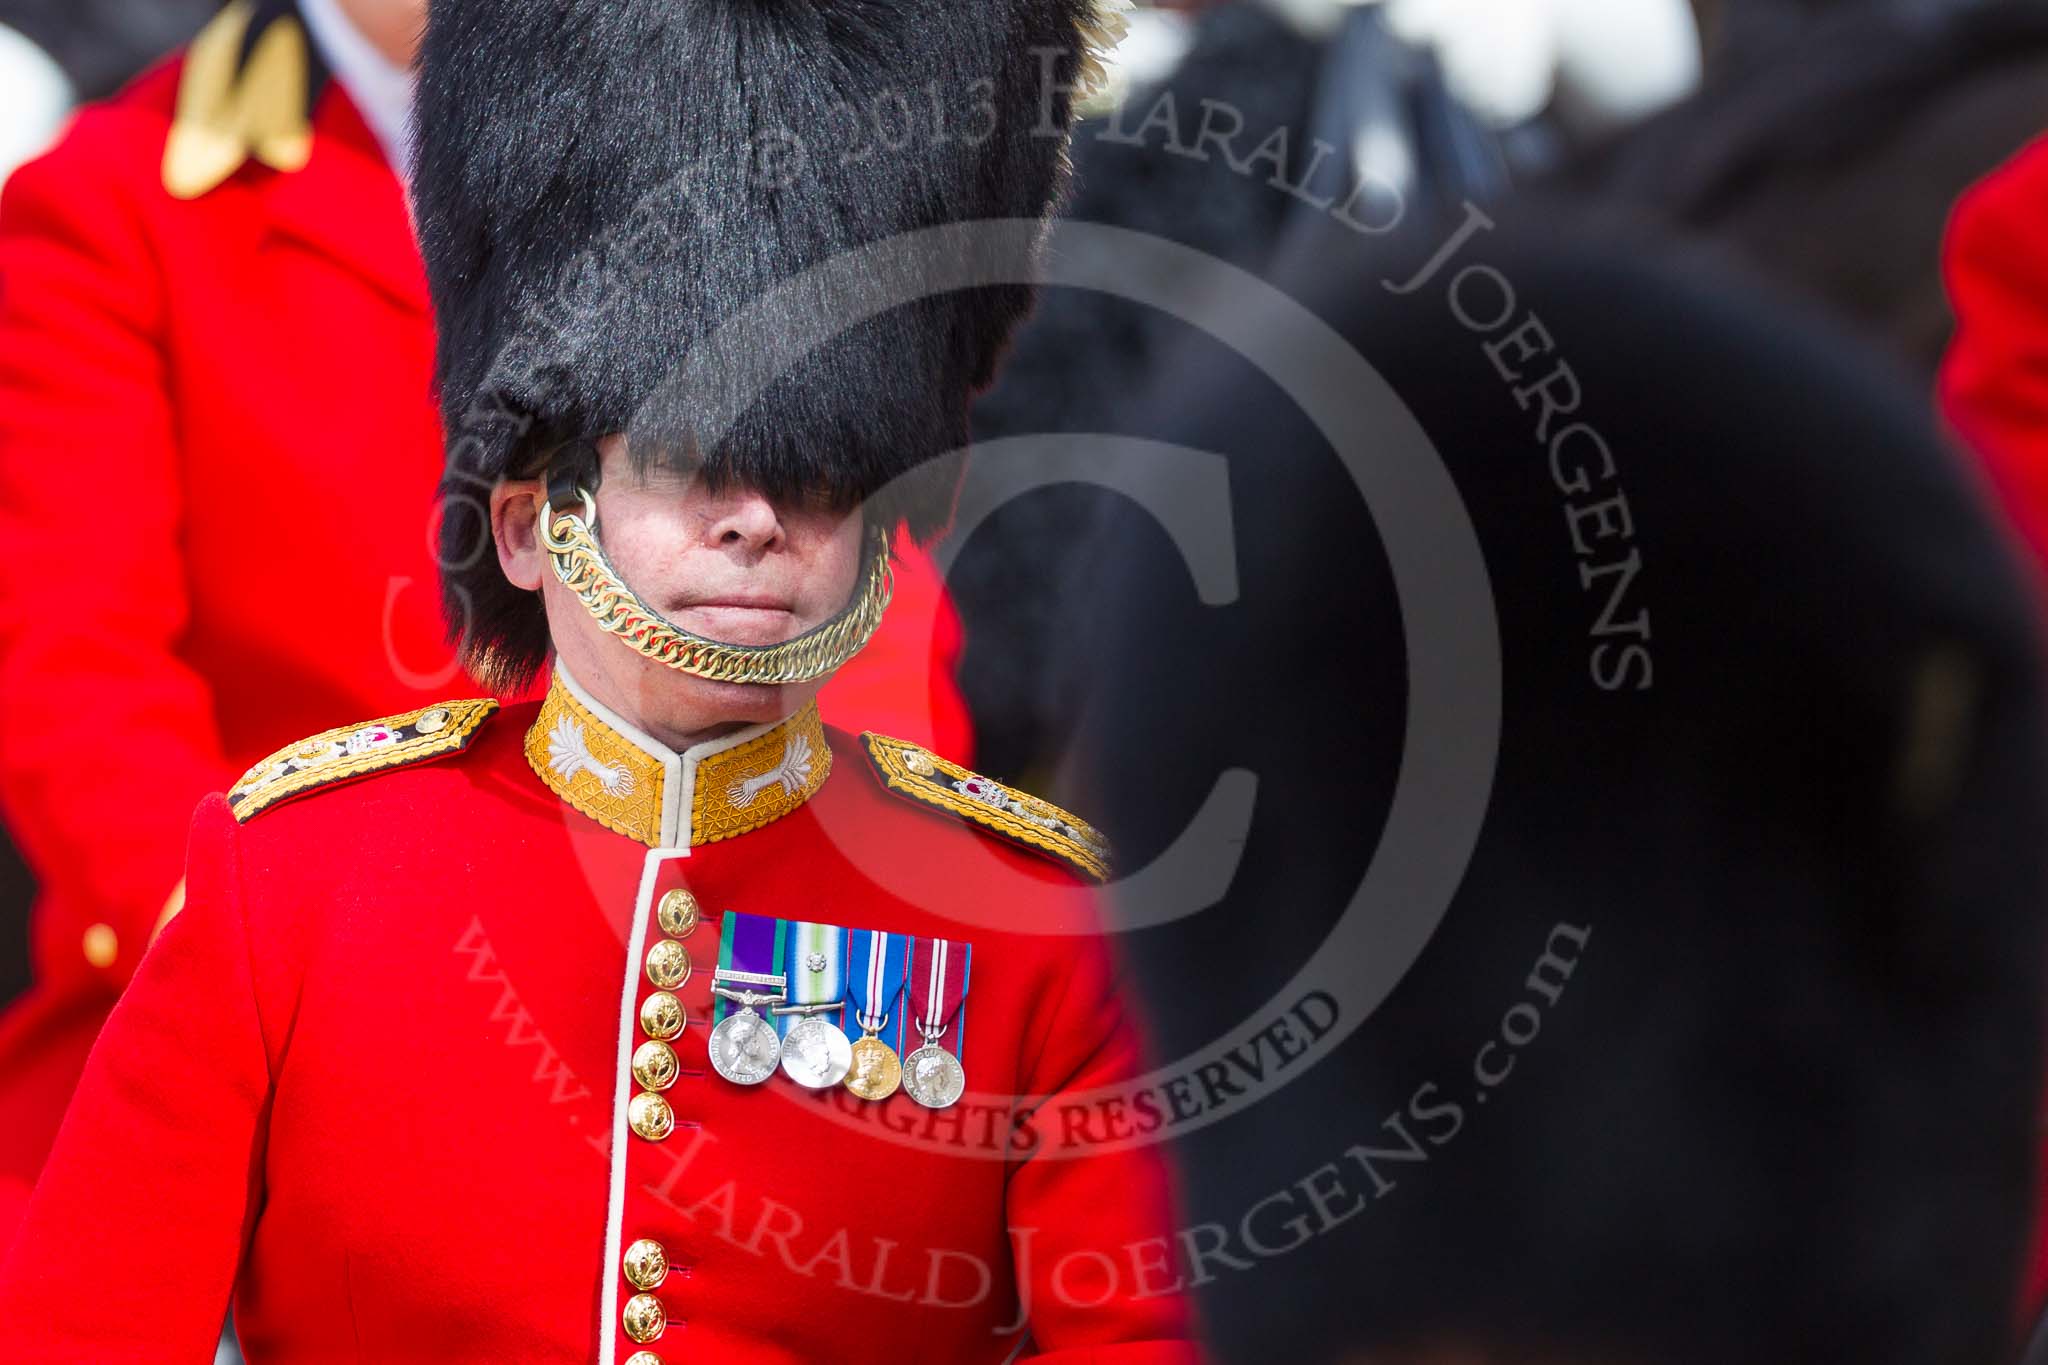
(432, 722)
(643, 1358)
(668, 964)
(649, 1115)
(101, 945)
(661, 1015)
(646, 1264)
(645, 1319)
(655, 1065)
(919, 762)
(677, 914)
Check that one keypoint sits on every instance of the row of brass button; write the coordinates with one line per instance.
(655, 1068)
(655, 1064)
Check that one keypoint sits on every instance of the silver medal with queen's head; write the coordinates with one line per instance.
(934, 1077)
(816, 1053)
(744, 1048)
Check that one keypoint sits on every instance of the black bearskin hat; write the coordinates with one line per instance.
(600, 184)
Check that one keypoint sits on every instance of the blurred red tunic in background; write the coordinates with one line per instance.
(200, 564)
(1994, 391)
(1994, 381)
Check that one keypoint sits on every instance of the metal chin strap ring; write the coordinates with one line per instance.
(580, 563)
(547, 523)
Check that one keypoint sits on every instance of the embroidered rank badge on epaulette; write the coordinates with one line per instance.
(354, 751)
(914, 771)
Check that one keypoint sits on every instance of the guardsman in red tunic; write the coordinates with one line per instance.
(213, 329)
(657, 1020)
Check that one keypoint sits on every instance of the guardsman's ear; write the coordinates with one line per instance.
(515, 529)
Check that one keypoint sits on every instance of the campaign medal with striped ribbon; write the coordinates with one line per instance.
(744, 1047)
(815, 1052)
(937, 983)
(874, 982)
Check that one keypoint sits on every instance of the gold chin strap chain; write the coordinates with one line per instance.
(571, 540)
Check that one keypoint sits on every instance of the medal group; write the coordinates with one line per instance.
(813, 980)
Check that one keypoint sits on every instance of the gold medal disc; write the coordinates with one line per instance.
(876, 1071)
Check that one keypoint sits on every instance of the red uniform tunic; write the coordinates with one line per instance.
(1994, 391)
(377, 1077)
(193, 397)
(1994, 381)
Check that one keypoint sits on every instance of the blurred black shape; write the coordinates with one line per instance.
(1733, 30)
(1077, 364)
(100, 44)
(17, 892)
(1782, 1106)
(1829, 143)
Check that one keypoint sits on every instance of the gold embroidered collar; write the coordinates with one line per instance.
(633, 784)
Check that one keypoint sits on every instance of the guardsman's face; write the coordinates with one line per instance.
(726, 564)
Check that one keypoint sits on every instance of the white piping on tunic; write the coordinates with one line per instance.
(679, 777)
(622, 1096)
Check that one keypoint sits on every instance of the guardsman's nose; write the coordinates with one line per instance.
(744, 520)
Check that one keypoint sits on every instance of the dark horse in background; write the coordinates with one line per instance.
(1829, 143)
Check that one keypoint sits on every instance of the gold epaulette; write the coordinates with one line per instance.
(916, 772)
(353, 751)
(246, 91)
